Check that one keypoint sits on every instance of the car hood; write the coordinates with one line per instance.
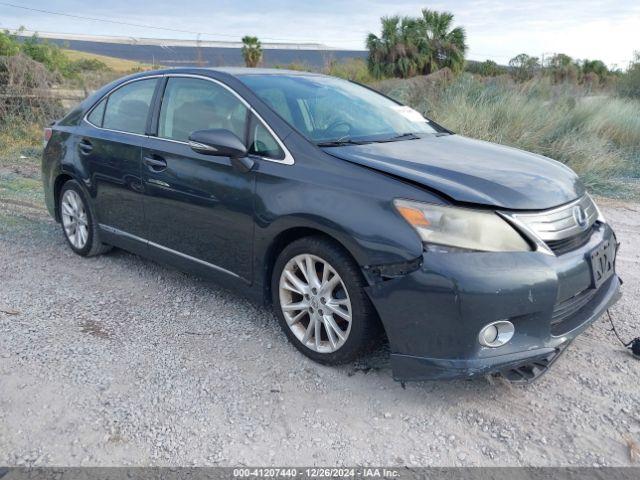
(471, 171)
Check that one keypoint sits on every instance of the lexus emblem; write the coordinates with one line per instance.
(580, 216)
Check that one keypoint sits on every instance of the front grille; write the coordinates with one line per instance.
(573, 312)
(566, 308)
(561, 229)
(572, 243)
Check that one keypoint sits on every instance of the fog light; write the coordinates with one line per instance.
(496, 334)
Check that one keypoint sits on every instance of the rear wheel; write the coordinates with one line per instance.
(78, 222)
(320, 302)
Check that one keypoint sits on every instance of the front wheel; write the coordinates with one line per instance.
(320, 302)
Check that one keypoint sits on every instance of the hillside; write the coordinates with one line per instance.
(113, 63)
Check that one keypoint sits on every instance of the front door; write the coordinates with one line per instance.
(198, 207)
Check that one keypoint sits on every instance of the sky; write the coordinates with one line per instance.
(496, 29)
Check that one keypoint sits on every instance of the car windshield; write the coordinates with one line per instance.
(329, 110)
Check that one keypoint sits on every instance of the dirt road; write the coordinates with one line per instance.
(118, 361)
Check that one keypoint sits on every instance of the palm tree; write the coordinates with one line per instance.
(396, 52)
(563, 68)
(442, 45)
(595, 66)
(251, 51)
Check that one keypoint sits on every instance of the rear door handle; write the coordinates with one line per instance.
(85, 147)
(155, 164)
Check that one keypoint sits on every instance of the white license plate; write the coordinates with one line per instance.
(602, 261)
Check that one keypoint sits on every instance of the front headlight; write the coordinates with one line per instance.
(461, 228)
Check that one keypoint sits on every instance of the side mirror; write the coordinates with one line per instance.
(217, 141)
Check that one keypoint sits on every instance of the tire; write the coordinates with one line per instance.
(361, 333)
(86, 239)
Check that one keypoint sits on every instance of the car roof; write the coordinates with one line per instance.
(232, 71)
(240, 71)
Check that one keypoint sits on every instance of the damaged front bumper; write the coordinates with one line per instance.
(432, 315)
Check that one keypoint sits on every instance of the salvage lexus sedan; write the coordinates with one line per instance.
(355, 216)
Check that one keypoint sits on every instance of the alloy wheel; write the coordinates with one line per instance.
(315, 303)
(74, 219)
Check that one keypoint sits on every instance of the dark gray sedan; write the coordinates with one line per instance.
(355, 216)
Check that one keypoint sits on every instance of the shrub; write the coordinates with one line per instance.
(25, 85)
(488, 68)
(354, 69)
(524, 67)
(629, 82)
(419, 92)
(88, 65)
(297, 66)
(48, 54)
(9, 44)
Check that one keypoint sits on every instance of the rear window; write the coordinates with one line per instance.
(127, 108)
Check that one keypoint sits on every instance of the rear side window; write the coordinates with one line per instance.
(191, 104)
(128, 107)
(97, 113)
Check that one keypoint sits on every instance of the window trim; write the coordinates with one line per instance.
(106, 97)
(155, 132)
(252, 125)
(288, 158)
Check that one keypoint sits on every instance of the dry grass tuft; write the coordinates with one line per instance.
(634, 448)
(597, 136)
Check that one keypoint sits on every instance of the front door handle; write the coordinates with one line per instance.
(155, 164)
(85, 147)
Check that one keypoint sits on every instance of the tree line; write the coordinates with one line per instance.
(409, 46)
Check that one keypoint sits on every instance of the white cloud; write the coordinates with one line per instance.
(496, 29)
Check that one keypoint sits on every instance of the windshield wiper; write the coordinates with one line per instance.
(402, 136)
(340, 142)
(348, 141)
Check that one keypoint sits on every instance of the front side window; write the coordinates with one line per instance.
(191, 104)
(262, 142)
(327, 109)
(127, 108)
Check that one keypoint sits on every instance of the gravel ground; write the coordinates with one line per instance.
(116, 360)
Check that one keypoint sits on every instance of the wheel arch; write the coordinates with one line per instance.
(280, 242)
(60, 180)
(285, 238)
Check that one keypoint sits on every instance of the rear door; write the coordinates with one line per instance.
(198, 207)
(110, 147)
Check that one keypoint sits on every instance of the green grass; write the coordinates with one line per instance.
(598, 137)
(20, 141)
(17, 188)
(20, 154)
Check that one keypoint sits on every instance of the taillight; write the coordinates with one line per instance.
(47, 135)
